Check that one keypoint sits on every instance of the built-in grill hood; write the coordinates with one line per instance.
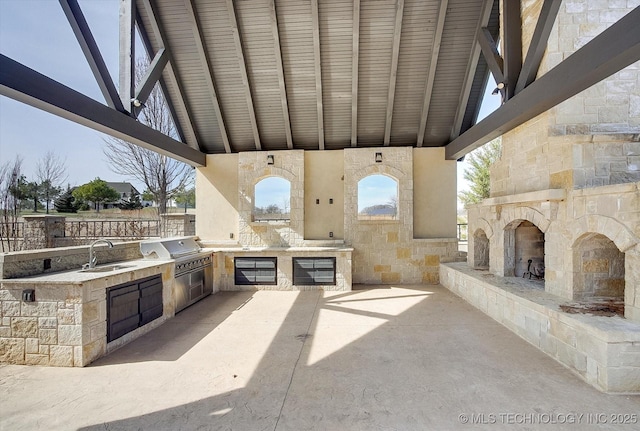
(169, 248)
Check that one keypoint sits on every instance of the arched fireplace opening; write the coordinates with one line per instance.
(524, 250)
(598, 271)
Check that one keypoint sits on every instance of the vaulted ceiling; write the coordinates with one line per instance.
(320, 74)
(246, 75)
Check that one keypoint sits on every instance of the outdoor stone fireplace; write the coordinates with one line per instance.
(565, 193)
(524, 250)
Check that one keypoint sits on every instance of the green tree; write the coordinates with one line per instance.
(66, 203)
(148, 196)
(478, 173)
(96, 191)
(133, 203)
(186, 198)
(26, 191)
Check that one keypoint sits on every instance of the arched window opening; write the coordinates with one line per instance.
(377, 198)
(272, 200)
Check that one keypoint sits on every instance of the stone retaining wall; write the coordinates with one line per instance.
(604, 351)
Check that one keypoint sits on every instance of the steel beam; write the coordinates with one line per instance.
(538, 44)
(512, 45)
(354, 72)
(207, 71)
(395, 53)
(614, 49)
(127, 71)
(472, 66)
(491, 55)
(28, 86)
(90, 50)
(431, 75)
(152, 75)
(161, 81)
(187, 128)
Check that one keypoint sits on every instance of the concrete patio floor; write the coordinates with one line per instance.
(386, 358)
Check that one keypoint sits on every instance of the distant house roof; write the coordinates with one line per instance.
(121, 188)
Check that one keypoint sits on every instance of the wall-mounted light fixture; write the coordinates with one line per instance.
(378, 157)
(270, 159)
(137, 103)
(498, 88)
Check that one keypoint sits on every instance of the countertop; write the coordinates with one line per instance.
(77, 276)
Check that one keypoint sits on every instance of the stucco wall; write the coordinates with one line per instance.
(434, 185)
(385, 251)
(217, 197)
(323, 180)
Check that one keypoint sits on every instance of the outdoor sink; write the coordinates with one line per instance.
(106, 268)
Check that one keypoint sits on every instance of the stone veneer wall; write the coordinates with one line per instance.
(573, 171)
(32, 262)
(565, 219)
(178, 225)
(41, 231)
(223, 268)
(67, 325)
(253, 167)
(601, 350)
(385, 251)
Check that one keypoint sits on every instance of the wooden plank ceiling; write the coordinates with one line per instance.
(320, 74)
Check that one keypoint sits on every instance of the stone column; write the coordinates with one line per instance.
(178, 225)
(41, 231)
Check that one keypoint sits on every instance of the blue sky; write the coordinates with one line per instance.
(272, 190)
(376, 190)
(37, 34)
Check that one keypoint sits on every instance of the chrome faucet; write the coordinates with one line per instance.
(93, 259)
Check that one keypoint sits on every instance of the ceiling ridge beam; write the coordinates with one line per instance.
(512, 45)
(208, 71)
(538, 44)
(91, 52)
(243, 73)
(472, 66)
(611, 51)
(35, 89)
(354, 72)
(393, 74)
(491, 55)
(281, 79)
(127, 54)
(315, 24)
(431, 74)
(188, 129)
(151, 76)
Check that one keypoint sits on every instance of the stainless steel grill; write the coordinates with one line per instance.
(193, 267)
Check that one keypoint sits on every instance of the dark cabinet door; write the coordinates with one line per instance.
(132, 305)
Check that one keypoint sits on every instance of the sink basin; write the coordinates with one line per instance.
(106, 268)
